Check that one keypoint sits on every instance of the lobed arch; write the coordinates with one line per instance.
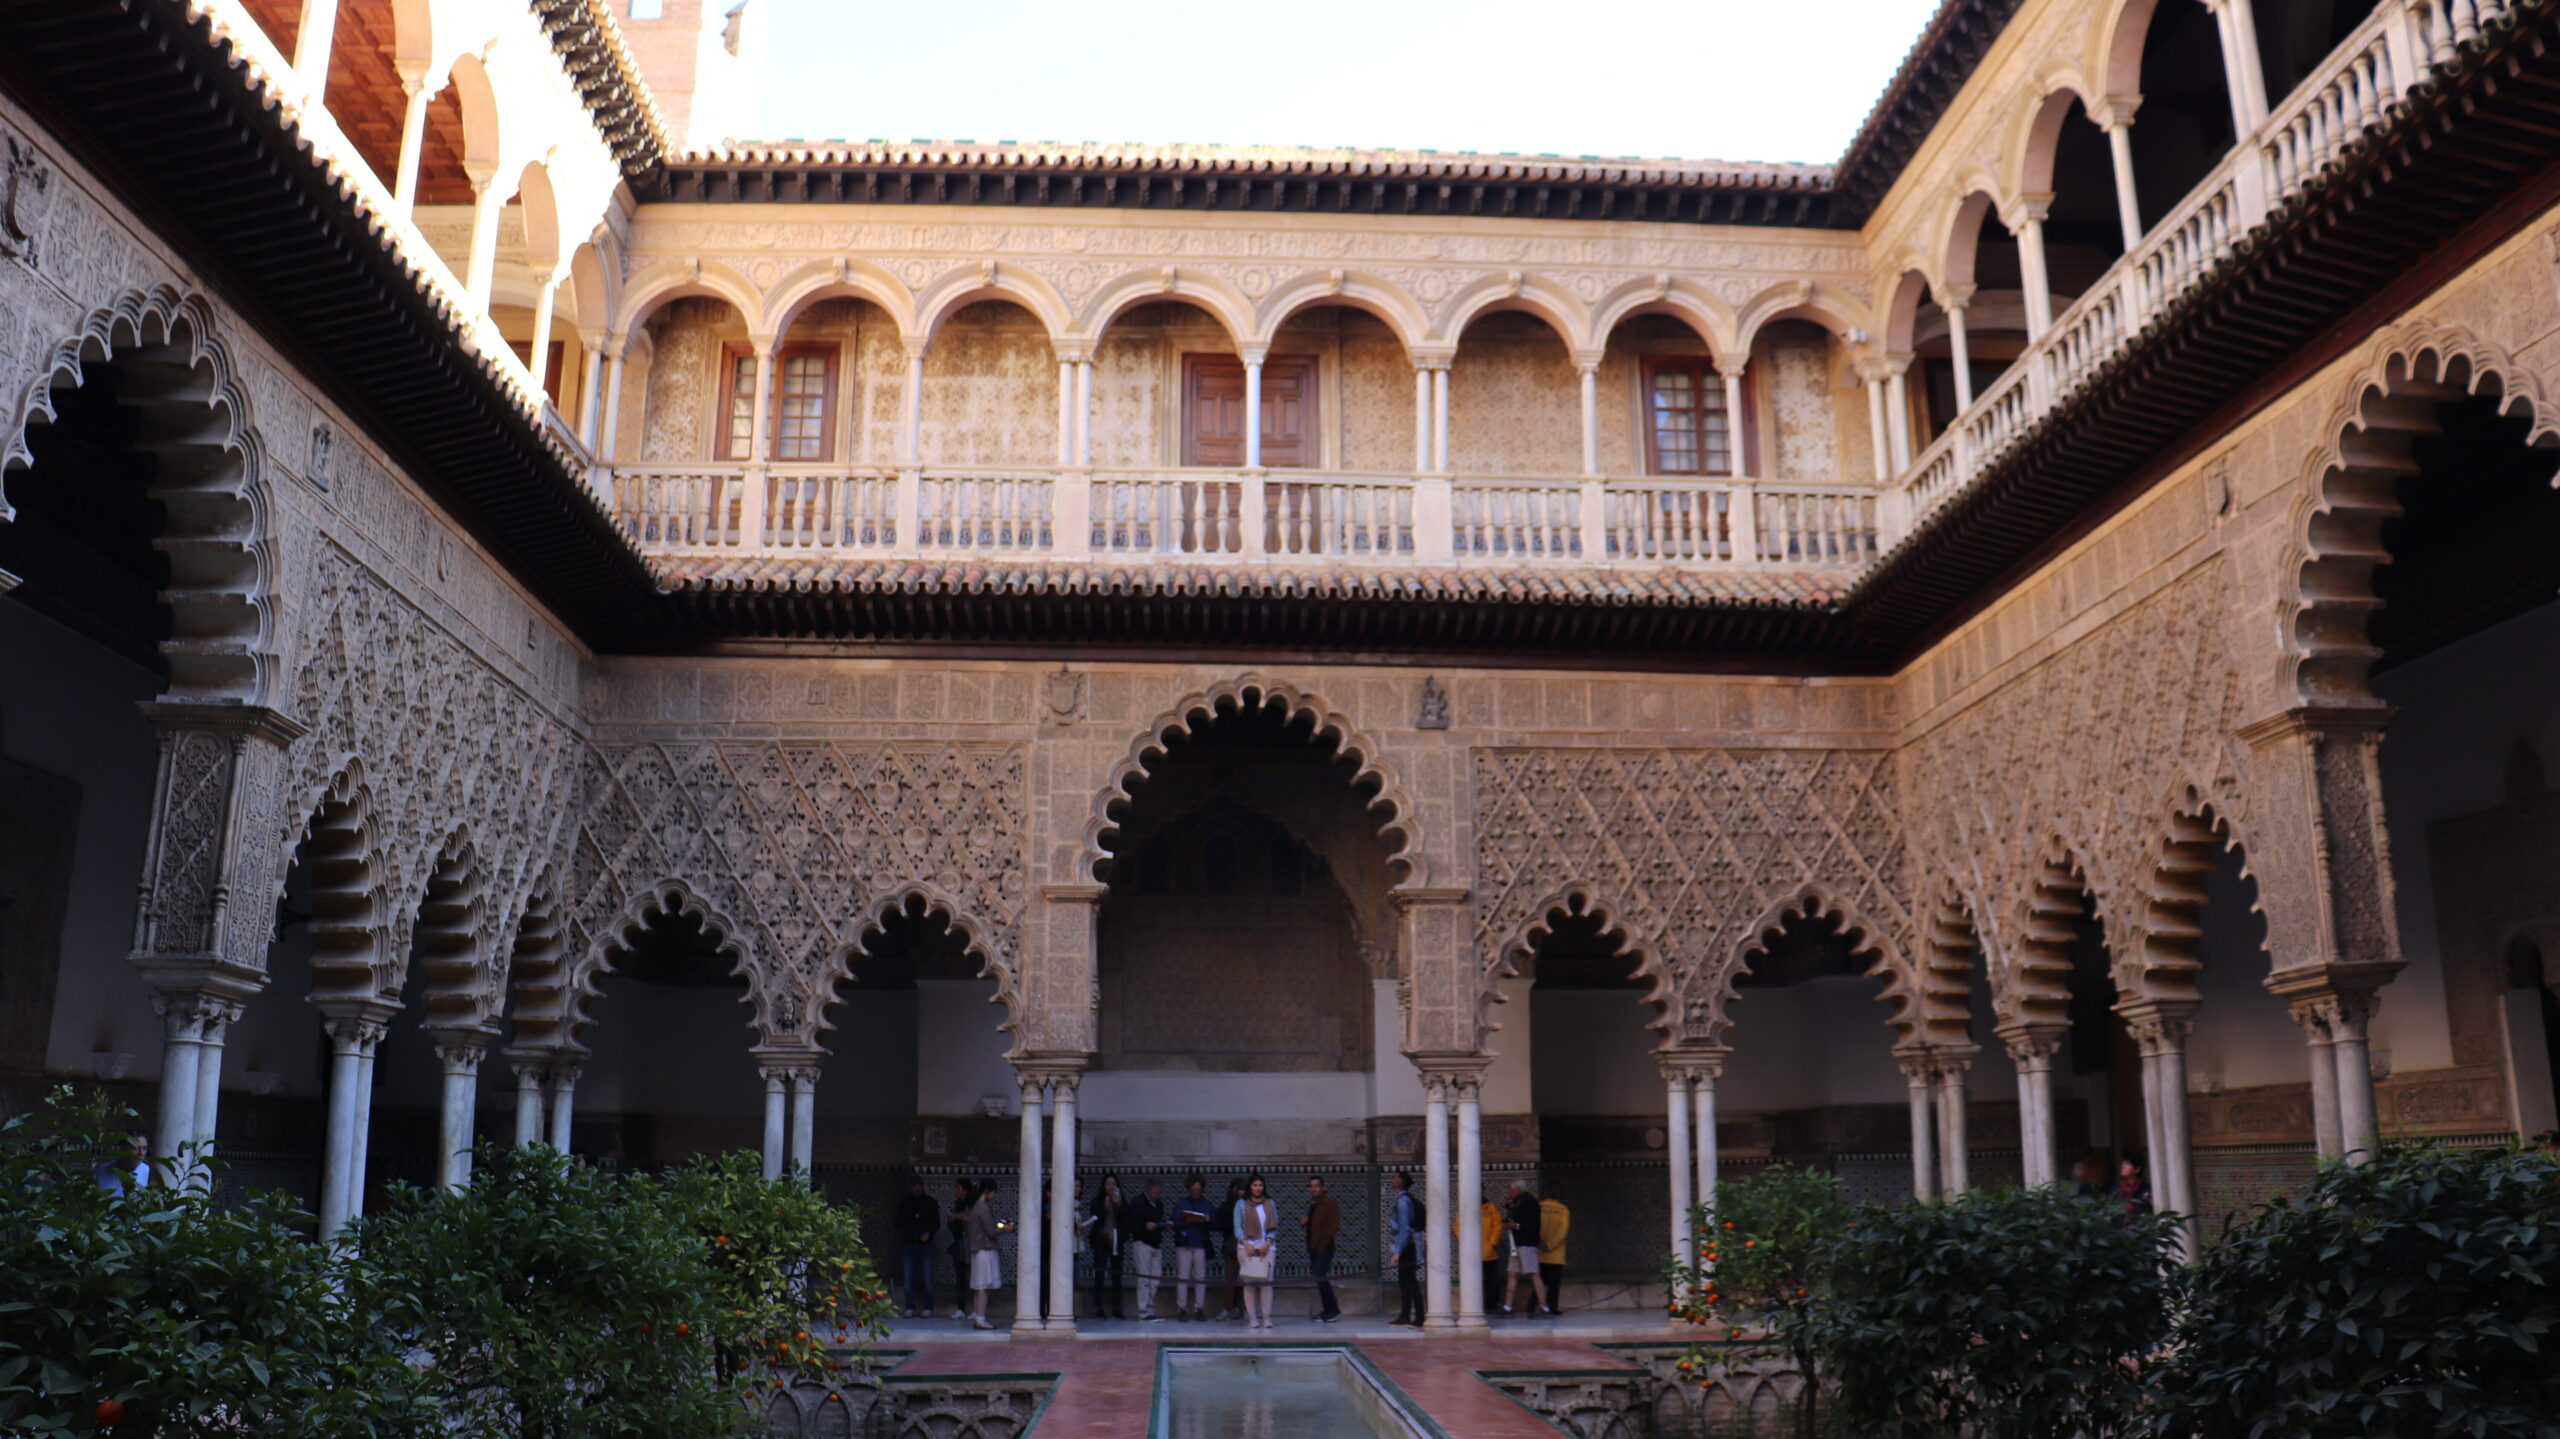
(1400, 824)
(841, 279)
(2160, 963)
(1801, 300)
(1223, 301)
(1532, 294)
(1931, 997)
(2033, 986)
(342, 856)
(1661, 295)
(583, 980)
(179, 372)
(667, 282)
(1808, 901)
(536, 974)
(1389, 303)
(1579, 898)
(449, 937)
(992, 280)
(2350, 491)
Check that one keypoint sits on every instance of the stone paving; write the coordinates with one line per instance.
(1107, 1372)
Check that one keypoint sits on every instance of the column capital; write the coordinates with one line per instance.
(1951, 1062)
(460, 1052)
(2033, 1044)
(1433, 359)
(764, 345)
(1074, 352)
(1917, 1065)
(1588, 361)
(916, 347)
(355, 1033)
(1692, 1066)
(1732, 367)
(2158, 1026)
(1952, 296)
(193, 1013)
(2027, 208)
(2115, 112)
(2331, 1016)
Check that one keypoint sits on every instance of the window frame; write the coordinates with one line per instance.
(1710, 382)
(732, 353)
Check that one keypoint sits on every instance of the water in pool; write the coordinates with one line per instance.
(1273, 1394)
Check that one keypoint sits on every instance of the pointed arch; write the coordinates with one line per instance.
(178, 371)
(1399, 821)
(669, 281)
(1532, 294)
(1580, 898)
(1223, 301)
(1014, 284)
(1681, 300)
(2351, 491)
(1385, 300)
(843, 279)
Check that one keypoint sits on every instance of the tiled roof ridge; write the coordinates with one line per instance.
(1099, 156)
(1564, 583)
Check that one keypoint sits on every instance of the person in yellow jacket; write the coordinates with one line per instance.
(1489, 1233)
(1554, 1223)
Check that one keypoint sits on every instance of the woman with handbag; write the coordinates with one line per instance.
(1257, 1235)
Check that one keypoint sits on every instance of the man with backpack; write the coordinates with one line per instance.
(1405, 1219)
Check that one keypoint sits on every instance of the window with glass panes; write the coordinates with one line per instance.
(1687, 431)
(804, 402)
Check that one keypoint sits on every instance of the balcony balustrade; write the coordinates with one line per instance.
(1222, 515)
(2347, 94)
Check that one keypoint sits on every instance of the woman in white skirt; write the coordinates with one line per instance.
(986, 1262)
(1257, 1235)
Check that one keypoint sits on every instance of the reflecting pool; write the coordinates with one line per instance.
(1314, 1393)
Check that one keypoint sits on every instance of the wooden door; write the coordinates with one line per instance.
(1213, 411)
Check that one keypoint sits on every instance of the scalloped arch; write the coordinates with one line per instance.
(2350, 490)
(1579, 898)
(176, 368)
(1249, 692)
(583, 979)
(1930, 992)
(1807, 901)
(974, 929)
(2160, 960)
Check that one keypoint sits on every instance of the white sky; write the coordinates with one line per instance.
(1694, 79)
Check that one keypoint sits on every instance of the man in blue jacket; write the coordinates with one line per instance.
(1193, 1218)
(1404, 1246)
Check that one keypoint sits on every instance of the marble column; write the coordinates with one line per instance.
(1027, 1213)
(2119, 126)
(2032, 1048)
(529, 1070)
(1702, 1126)
(1253, 415)
(1440, 419)
(1084, 410)
(1876, 434)
(564, 1103)
(488, 205)
(2359, 1134)
(216, 1024)
(1897, 411)
(911, 430)
(1589, 366)
(610, 437)
(2028, 225)
(415, 97)
(2313, 1016)
(182, 1020)
(1437, 1232)
(804, 1122)
(2160, 1032)
(352, 1038)
(1062, 1207)
(458, 1053)
(590, 391)
(777, 1119)
(1916, 1074)
(1954, 1154)
(1680, 1161)
(1959, 343)
(1421, 419)
(1468, 1090)
(314, 43)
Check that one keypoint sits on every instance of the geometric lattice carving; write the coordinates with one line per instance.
(792, 847)
(1692, 852)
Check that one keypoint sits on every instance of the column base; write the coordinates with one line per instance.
(1439, 1324)
(1472, 1323)
(1059, 1329)
(1028, 1329)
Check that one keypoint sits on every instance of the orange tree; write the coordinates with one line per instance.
(791, 1279)
(1761, 1254)
(2417, 1294)
(159, 1313)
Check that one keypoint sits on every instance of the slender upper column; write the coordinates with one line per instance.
(219, 1013)
(529, 1070)
(1468, 1090)
(1955, 300)
(1589, 366)
(1084, 410)
(2116, 114)
(911, 431)
(458, 1053)
(1917, 1074)
(804, 1122)
(1737, 433)
(1028, 1213)
(1706, 1068)
(1062, 1206)
(2160, 1032)
(2025, 219)
(1437, 1236)
(545, 305)
(590, 389)
(1253, 419)
(1897, 410)
(1440, 419)
(2241, 68)
(1066, 412)
(1876, 434)
(608, 442)
(564, 1103)
(2349, 1014)
(313, 43)
(182, 1021)
(488, 204)
(1421, 418)
(413, 138)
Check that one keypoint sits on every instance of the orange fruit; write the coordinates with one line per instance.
(110, 1413)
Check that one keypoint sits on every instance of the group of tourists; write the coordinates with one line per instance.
(1130, 1237)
